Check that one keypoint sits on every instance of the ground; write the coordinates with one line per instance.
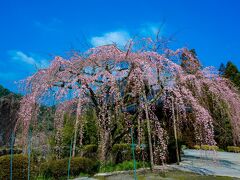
(211, 163)
(195, 165)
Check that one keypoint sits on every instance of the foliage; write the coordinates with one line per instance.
(190, 62)
(124, 166)
(7, 151)
(172, 157)
(219, 110)
(108, 80)
(89, 151)
(4, 91)
(46, 119)
(231, 72)
(233, 149)
(209, 148)
(121, 152)
(206, 147)
(90, 127)
(59, 168)
(197, 147)
(61, 148)
(20, 167)
(9, 106)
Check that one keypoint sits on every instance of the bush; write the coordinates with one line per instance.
(20, 167)
(209, 148)
(172, 156)
(197, 147)
(90, 151)
(206, 147)
(7, 151)
(233, 149)
(124, 166)
(59, 168)
(121, 152)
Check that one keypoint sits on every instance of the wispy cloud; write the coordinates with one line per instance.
(48, 26)
(28, 59)
(118, 37)
(151, 29)
(122, 37)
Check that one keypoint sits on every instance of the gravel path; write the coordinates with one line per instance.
(210, 163)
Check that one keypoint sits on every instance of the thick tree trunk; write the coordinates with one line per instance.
(104, 143)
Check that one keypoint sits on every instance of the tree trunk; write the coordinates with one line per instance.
(175, 132)
(75, 136)
(149, 134)
(104, 143)
(76, 129)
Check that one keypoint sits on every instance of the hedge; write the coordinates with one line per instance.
(90, 151)
(59, 168)
(233, 149)
(121, 152)
(19, 170)
(206, 147)
(7, 151)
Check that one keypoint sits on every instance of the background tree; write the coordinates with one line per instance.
(231, 72)
(190, 62)
(222, 69)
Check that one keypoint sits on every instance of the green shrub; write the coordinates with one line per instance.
(7, 151)
(124, 166)
(121, 152)
(59, 168)
(183, 147)
(20, 167)
(197, 147)
(90, 151)
(206, 147)
(233, 149)
(209, 148)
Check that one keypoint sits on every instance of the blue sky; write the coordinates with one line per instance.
(32, 32)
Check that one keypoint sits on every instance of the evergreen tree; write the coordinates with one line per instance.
(3, 91)
(231, 72)
(222, 69)
(190, 62)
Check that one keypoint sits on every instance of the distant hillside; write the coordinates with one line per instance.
(4, 91)
(9, 105)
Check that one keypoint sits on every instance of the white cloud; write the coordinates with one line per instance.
(31, 60)
(118, 37)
